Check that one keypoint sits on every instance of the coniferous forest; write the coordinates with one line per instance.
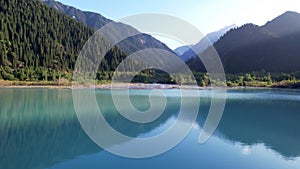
(38, 46)
(38, 43)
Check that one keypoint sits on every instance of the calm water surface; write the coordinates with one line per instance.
(260, 129)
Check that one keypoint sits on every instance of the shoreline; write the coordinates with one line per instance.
(122, 86)
(137, 86)
(132, 86)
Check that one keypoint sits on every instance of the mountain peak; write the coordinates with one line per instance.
(215, 36)
(285, 24)
(97, 21)
(291, 13)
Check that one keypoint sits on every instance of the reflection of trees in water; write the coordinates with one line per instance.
(274, 123)
(129, 128)
(38, 127)
(27, 106)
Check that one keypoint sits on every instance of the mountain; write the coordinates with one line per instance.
(96, 21)
(215, 36)
(281, 25)
(181, 50)
(204, 43)
(93, 20)
(39, 43)
(273, 47)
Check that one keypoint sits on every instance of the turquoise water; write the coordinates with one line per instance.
(259, 129)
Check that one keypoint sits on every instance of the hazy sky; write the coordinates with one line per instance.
(206, 15)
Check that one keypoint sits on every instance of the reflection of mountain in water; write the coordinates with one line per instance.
(262, 119)
(41, 128)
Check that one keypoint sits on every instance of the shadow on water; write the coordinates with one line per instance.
(39, 128)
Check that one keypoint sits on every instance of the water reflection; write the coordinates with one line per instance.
(272, 122)
(39, 128)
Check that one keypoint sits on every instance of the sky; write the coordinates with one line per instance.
(207, 15)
